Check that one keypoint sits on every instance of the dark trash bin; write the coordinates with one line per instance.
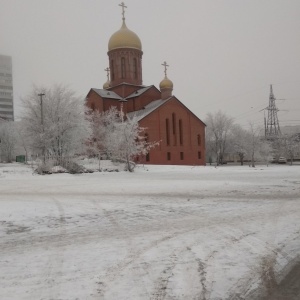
(20, 158)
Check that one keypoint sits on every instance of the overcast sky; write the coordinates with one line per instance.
(223, 54)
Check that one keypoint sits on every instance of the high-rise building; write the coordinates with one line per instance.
(6, 88)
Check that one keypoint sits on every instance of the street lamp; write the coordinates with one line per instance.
(42, 117)
(42, 123)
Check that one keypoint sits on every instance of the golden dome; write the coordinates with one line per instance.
(166, 83)
(124, 38)
(106, 85)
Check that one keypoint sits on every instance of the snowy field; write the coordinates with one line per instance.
(162, 232)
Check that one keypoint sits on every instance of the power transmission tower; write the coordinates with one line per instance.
(272, 129)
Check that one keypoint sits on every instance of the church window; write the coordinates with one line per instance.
(181, 155)
(147, 140)
(123, 71)
(199, 155)
(135, 68)
(174, 127)
(112, 68)
(174, 123)
(147, 157)
(168, 132)
(199, 139)
(168, 155)
(180, 132)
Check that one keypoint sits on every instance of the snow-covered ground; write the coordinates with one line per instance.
(162, 232)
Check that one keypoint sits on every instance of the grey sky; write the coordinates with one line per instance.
(223, 54)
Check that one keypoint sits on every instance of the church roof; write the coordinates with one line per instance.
(139, 92)
(140, 114)
(107, 94)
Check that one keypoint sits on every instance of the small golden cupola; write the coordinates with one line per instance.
(166, 85)
(106, 85)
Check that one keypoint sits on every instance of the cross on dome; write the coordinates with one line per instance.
(123, 9)
(165, 65)
(107, 71)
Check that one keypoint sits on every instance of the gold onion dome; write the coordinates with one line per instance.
(106, 85)
(124, 38)
(166, 83)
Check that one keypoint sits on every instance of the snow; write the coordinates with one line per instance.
(162, 232)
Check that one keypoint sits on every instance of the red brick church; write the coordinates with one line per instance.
(166, 119)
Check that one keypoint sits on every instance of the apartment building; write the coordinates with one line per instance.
(6, 88)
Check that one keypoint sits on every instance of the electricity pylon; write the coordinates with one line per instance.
(272, 129)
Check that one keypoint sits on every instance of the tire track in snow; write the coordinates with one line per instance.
(114, 272)
(111, 273)
(54, 266)
(245, 285)
(161, 290)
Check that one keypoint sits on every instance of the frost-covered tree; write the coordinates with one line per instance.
(8, 140)
(290, 146)
(119, 139)
(102, 123)
(217, 132)
(265, 150)
(239, 141)
(23, 142)
(132, 141)
(55, 124)
(257, 145)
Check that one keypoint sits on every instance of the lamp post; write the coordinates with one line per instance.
(42, 117)
(42, 123)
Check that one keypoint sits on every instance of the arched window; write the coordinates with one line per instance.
(135, 74)
(167, 132)
(123, 71)
(112, 69)
(174, 128)
(199, 139)
(180, 132)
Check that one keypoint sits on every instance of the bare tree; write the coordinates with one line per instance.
(218, 128)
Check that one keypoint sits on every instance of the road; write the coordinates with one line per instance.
(155, 235)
